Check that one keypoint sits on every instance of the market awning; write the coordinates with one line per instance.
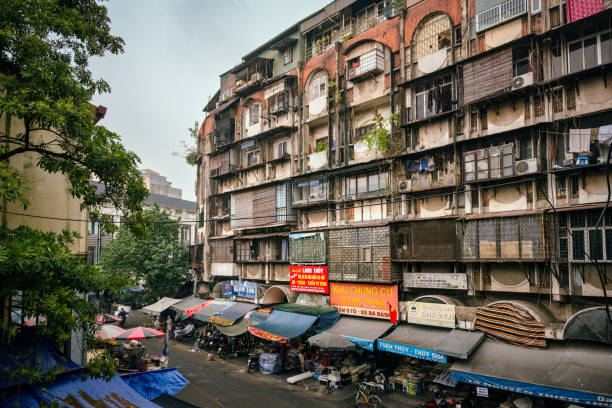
(328, 315)
(460, 343)
(190, 305)
(414, 341)
(162, 304)
(283, 326)
(213, 307)
(152, 384)
(236, 329)
(229, 315)
(362, 332)
(574, 372)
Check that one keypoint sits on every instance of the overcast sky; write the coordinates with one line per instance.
(174, 53)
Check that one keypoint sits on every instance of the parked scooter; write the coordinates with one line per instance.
(253, 362)
(439, 401)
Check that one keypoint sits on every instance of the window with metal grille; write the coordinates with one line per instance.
(473, 120)
(578, 245)
(254, 114)
(361, 131)
(527, 109)
(574, 186)
(484, 122)
(433, 97)
(432, 35)
(570, 97)
(500, 13)
(557, 100)
(564, 276)
(538, 103)
(560, 183)
(592, 48)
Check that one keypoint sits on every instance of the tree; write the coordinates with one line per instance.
(379, 137)
(45, 46)
(157, 259)
(46, 89)
(190, 146)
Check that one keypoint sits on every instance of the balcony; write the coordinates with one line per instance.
(428, 181)
(222, 171)
(495, 163)
(500, 13)
(251, 74)
(366, 66)
(280, 107)
(223, 137)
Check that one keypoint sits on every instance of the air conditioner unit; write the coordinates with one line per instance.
(523, 80)
(405, 185)
(527, 166)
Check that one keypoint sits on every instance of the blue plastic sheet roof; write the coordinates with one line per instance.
(28, 351)
(286, 324)
(91, 393)
(152, 384)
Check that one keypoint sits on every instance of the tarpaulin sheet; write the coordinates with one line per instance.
(236, 329)
(213, 307)
(328, 315)
(283, 326)
(578, 373)
(152, 384)
(509, 323)
(460, 343)
(362, 332)
(28, 351)
(158, 307)
(190, 305)
(228, 316)
(579, 9)
(91, 393)
(414, 341)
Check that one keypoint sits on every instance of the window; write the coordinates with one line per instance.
(527, 108)
(92, 227)
(526, 148)
(288, 55)
(366, 183)
(282, 149)
(589, 50)
(319, 86)
(520, 61)
(574, 186)
(372, 62)
(538, 103)
(500, 13)
(433, 97)
(254, 114)
(595, 244)
(536, 6)
(560, 187)
(557, 100)
(432, 35)
(555, 17)
(556, 59)
(253, 158)
(360, 132)
(570, 97)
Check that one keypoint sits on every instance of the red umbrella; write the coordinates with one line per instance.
(138, 333)
(107, 332)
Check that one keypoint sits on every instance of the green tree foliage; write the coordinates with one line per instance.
(45, 47)
(158, 258)
(40, 270)
(45, 92)
(189, 147)
(380, 136)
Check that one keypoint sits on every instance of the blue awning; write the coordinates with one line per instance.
(573, 372)
(152, 384)
(283, 325)
(91, 393)
(362, 332)
(414, 341)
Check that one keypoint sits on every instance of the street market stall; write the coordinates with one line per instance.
(160, 306)
(189, 306)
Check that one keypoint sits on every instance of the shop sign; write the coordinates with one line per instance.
(236, 288)
(362, 299)
(431, 314)
(435, 280)
(482, 392)
(411, 351)
(310, 279)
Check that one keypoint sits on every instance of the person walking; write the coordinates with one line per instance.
(168, 324)
(123, 317)
(157, 323)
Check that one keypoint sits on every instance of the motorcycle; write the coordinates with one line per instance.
(439, 401)
(253, 362)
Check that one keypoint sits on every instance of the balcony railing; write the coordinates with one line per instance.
(223, 170)
(223, 137)
(368, 64)
(425, 181)
(500, 13)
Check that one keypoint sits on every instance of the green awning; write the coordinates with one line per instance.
(304, 309)
(236, 329)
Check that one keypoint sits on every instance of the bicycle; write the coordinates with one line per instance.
(366, 397)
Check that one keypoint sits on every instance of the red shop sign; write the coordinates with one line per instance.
(308, 278)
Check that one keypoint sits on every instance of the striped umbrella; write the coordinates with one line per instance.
(107, 332)
(138, 333)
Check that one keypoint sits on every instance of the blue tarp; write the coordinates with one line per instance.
(90, 393)
(362, 332)
(286, 324)
(152, 384)
(28, 351)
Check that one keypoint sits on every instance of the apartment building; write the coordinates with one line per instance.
(485, 187)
